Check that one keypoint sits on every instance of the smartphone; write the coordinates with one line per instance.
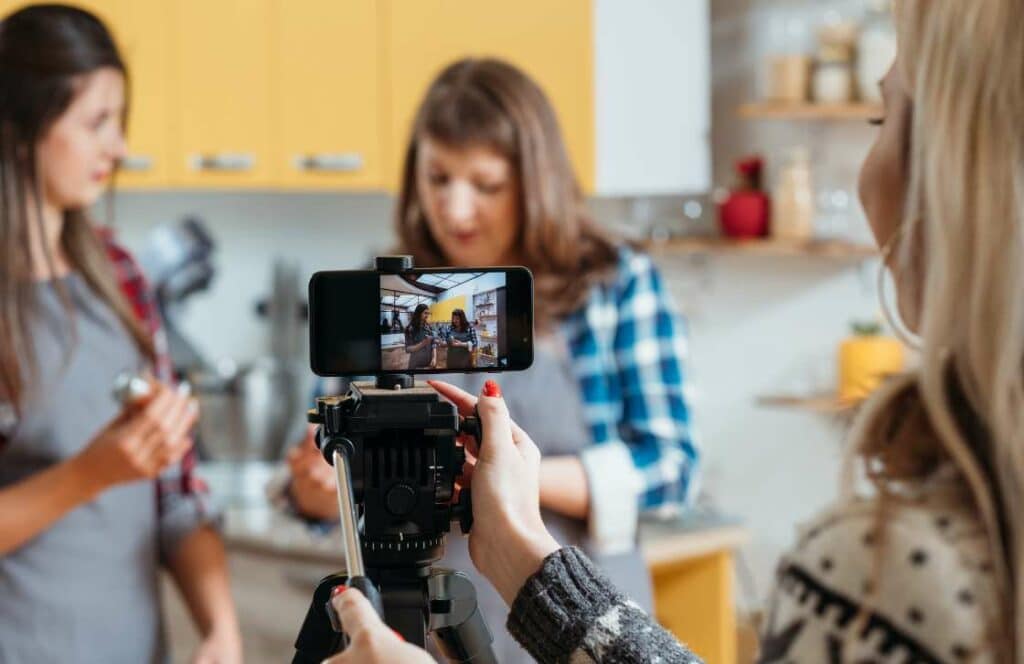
(425, 321)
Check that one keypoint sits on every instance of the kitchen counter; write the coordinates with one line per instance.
(266, 531)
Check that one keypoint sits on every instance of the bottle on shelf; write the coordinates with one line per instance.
(746, 212)
(793, 200)
(788, 63)
(876, 49)
(832, 82)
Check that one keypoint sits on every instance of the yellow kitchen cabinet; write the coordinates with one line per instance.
(222, 120)
(320, 94)
(326, 81)
(140, 27)
(140, 30)
(551, 41)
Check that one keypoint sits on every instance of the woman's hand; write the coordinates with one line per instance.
(370, 640)
(141, 441)
(508, 541)
(314, 484)
(219, 648)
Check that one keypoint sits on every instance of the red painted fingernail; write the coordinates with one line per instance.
(400, 637)
(491, 389)
(337, 590)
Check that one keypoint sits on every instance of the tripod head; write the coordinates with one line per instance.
(404, 461)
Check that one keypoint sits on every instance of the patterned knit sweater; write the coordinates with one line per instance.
(918, 589)
(570, 612)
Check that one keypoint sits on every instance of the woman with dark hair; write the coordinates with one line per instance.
(461, 342)
(487, 181)
(420, 340)
(94, 496)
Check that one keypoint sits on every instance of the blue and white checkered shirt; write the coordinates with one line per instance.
(628, 347)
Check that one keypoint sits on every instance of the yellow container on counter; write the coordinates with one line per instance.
(866, 359)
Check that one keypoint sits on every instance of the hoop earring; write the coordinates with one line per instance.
(908, 338)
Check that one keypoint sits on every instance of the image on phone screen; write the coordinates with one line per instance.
(444, 321)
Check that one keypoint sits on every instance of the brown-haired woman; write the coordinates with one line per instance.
(487, 181)
(462, 342)
(94, 497)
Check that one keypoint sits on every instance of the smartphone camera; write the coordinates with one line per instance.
(420, 321)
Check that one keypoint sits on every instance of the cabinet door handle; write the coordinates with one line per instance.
(137, 163)
(332, 162)
(227, 161)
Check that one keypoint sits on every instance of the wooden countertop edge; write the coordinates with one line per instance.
(657, 549)
(685, 546)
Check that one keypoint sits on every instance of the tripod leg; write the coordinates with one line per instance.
(403, 600)
(455, 620)
(317, 639)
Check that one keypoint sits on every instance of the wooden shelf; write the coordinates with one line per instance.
(835, 249)
(769, 110)
(829, 404)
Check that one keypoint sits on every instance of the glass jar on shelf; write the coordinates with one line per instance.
(788, 61)
(833, 80)
(876, 49)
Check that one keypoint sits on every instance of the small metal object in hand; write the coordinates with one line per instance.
(130, 387)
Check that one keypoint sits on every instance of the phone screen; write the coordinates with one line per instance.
(426, 321)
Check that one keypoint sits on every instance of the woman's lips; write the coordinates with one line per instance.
(100, 176)
(465, 238)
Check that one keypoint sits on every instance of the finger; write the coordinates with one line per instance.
(463, 400)
(497, 428)
(357, 616)
(300, 462)
(309, 442)
(466, 479)
(151, 417)
(470, 443)
(149, 453)
(187, 416)
(174, 452)
(175, 420)
(525, 444)
(143, 420)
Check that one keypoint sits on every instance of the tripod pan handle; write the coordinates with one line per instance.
(363, 585)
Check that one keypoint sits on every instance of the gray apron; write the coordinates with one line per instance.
(459, 357)
(86, 588)
(419, 359)
(545, 401)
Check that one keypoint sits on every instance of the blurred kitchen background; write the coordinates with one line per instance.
(266, 137)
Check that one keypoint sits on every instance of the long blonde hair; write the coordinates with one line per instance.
(962, 63)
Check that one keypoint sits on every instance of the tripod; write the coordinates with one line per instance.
(392, 446)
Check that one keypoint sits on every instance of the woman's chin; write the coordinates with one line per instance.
(470, 256)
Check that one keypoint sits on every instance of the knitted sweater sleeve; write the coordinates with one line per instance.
(570, 612)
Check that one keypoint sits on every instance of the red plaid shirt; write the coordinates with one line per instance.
(135, 287)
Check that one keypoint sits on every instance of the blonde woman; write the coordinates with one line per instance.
(920, 560)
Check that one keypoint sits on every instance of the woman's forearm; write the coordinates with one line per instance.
(563, 486)
(32, 505)
(569, 611)
(199, 568)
